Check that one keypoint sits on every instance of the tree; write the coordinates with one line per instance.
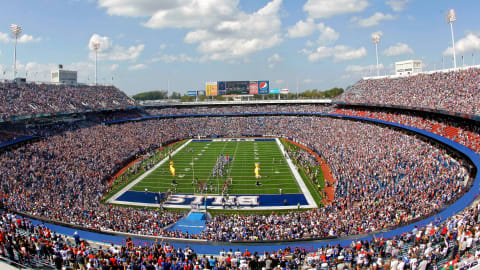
(151, 95)
(175, 95)
(186, 98)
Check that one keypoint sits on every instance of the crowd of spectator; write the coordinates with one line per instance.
(465, 133)
(456, 91)
(384, 177)
(452, 244)
(34, 99)
(257, 108)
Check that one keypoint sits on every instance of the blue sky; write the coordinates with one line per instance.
(150, 44)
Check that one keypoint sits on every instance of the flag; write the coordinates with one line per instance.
(257, 170)
(172, 169)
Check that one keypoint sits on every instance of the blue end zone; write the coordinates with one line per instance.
(215, 200)
(141, 197)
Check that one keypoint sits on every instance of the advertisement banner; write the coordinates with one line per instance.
(284, 91)
(274, 91)
(211, 88)
(253, 88)
(221, 88)
(263, 87)
(192, 93)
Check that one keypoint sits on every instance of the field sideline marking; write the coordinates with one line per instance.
(114, 198)
(301, 183)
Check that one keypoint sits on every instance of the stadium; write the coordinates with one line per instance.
(383, 176)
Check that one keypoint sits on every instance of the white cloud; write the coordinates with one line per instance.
(114, 67)
(6, 38)
(240, 36)
(28, 38)
(302, 29)
(274, 59)
(42, 72)
(344, 53)
(219, 28)
(363, 69)
(398, 49)
(192, 13)
(182, 58)
(136, 8)
(467, 44)
(105, 43)
(373, 20)
(138, 67)
(327, 34)
(37, 71)
(115, 53)
(319, 53)
(397, 5)
(308, 27)
(328, 8)
(307, 81)
(338, 53)
(132, 53)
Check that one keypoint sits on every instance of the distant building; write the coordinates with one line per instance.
(408, 67)
(61, 75)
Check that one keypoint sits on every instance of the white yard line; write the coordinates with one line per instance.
(301, 184)
(114, 198)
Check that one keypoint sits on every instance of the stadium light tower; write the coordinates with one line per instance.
(16, 31)
(450, 19)
(96, 46)
(376, 40)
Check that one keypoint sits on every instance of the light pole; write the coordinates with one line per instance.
(16, 31)
(376, 40)
(450, 19)
(96, 46)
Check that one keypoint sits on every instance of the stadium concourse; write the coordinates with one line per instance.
(387, 176)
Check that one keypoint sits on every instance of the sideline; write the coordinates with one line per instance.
(327, 173)
(298, 178)
(114, 198)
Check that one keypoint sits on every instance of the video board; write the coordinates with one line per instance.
(237, 87)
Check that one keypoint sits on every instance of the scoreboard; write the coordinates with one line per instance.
(237, 88)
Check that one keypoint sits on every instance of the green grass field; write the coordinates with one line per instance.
(198, 159)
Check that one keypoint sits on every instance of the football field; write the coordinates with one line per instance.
(216, 166)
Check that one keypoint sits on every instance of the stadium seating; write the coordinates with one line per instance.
(385, 178)
(52, 166)
(33, 99)
(454, 91)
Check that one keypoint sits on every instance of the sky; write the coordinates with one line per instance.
(181, 44)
